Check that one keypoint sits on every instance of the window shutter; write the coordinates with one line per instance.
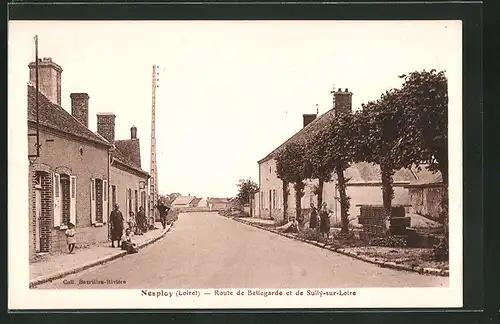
(105, 199)
(93, 217)
(72, 200)
(57, 200)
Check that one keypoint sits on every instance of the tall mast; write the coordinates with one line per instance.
(153, 192)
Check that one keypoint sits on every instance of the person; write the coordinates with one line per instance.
(313, 220)
(163, 213)
(132, 223)
(116, 221)
(127, 242)
(294, 227)
(324, 223)
(70, 237)
(141, 221)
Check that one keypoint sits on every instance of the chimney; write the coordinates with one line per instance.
(343, 101)
(49, 79)
(133, 132)
(308, 118)
(80, 107)
(106, 126)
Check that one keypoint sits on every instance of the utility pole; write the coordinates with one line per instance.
(153, 191)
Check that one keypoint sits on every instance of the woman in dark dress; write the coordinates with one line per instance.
(116, 221)
(324, 225)
(313, 220)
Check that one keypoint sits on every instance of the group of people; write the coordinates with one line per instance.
(137, 225)
(320, 220)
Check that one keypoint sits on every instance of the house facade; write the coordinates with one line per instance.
(68, 180)
(128, 181)
(184, 202)
(364, 185)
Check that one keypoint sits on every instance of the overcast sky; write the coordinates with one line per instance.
(230, 92)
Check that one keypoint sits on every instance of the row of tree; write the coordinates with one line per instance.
(405, 127)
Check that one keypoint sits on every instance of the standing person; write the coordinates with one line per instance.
(70, 237)
(141, 221)
(116, 221)
(324, 223)
(163, 210)
(313, 220)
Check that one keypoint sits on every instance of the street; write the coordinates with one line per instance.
(205, 250)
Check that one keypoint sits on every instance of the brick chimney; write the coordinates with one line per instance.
(106, 126)
(80, 107)
(133, 132)
(343, 101)
(308, 118)
(49, 78)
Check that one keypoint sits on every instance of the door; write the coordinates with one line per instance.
(38, 215)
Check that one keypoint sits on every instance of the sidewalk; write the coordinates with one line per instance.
(56, 266)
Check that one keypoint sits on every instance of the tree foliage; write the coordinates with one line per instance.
(246, 190)
(292, 167)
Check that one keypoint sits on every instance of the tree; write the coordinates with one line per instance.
(292, 167)
(318, 162)
(340, 151)
(378, 136)
(247, 189)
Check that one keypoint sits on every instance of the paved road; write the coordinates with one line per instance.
(205, 250)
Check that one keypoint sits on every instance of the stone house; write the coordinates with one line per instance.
(68, 180)
(425, 194)
(364, 186)
(128, 181)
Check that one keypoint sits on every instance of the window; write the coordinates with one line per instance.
(274, 198)
(73, 187)
(104, 191)
(56, 188)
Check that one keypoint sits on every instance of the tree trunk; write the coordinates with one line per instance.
(285, 201)
(387, 194)
(299, 192)
(344, 199)
(320, 193)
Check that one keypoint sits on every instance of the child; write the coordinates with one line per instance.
(127, 243)
(70, 237)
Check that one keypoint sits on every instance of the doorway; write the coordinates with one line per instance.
(270, 204)
(38, 215)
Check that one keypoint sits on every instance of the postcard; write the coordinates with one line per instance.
(235, 164)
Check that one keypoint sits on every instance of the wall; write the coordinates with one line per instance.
(123, 181)
(59, 152)
(426, 201)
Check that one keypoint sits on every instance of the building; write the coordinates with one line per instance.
(184, 202)
(68, 181)
(128, 181)
(218, 204)
(364, 186)
(426, 194)
(202, 203)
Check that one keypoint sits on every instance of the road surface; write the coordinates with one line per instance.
(205, 250)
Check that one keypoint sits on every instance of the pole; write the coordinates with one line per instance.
(37, 108)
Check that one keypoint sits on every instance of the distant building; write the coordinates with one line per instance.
(217, 204)
(202, 203)
(184, 202)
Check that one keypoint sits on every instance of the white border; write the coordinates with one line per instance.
(21, 297)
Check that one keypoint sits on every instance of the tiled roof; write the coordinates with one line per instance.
(358, 172)
(183, 200)
(54, 116)
(315, 125)
(119, 156)
(131, 149)
(426, 177)
(218, 200)
(364, 172)
(196, 201)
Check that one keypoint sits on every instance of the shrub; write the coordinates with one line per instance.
(440, 251)
(389, 241)
(312, 235)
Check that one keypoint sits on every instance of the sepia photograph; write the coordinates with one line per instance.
(247, 164)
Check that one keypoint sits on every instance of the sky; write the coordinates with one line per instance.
(229, 92)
